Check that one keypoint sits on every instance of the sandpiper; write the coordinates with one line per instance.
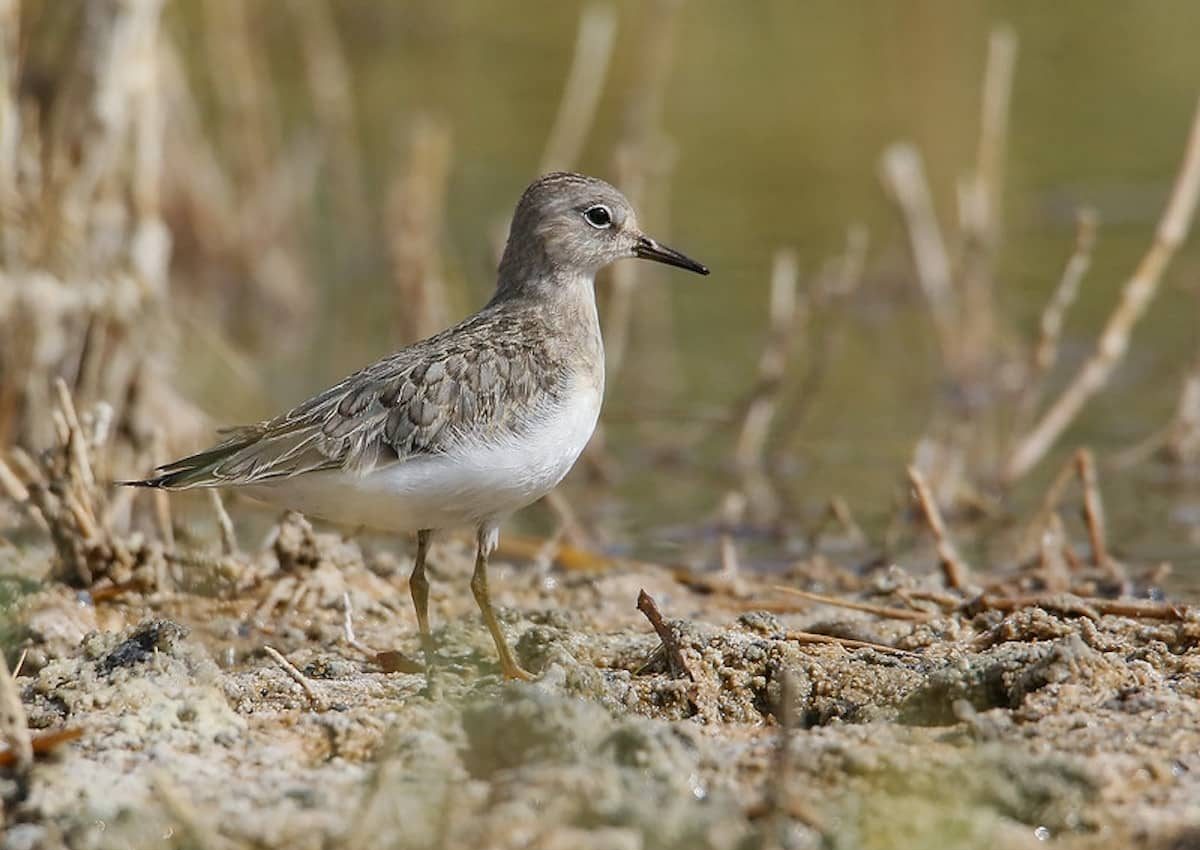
(468, 426)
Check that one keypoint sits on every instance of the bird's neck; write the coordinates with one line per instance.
(565, 307)
(554, 288)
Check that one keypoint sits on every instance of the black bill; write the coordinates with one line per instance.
(648, 249)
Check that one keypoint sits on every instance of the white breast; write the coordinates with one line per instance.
(475, 482)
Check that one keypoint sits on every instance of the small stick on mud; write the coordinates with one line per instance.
(778, 803)
(1141, 287)
(44, 743)
(678, 665)
(14, 728)
(229, 543)
(1085, 605)
(953, 567)
(733, 511)
(296, 676)
(845, 643)
(866, 607)
(945, 601)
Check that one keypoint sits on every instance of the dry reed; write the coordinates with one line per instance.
(1136, 295)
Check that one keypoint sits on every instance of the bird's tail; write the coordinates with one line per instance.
(198, 470)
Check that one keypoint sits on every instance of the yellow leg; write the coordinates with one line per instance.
(418, 586)
(479, 587)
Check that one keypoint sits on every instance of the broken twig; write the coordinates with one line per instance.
(675, 658)
(866, 607)
(845, 643)
(1089, 606)
(315, 699)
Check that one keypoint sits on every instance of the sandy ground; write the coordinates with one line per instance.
(1021, 729)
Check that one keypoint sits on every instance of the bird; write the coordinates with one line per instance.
(465, 427)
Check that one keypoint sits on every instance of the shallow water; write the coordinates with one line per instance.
(778, 117)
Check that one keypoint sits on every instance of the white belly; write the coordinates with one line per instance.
(475, 483)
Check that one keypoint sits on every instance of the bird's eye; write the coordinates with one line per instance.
(598, 217)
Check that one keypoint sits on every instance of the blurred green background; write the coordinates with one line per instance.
(778, 112)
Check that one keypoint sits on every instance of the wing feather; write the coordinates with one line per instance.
(477, 379)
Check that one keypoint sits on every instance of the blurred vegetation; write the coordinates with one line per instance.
(335, 178)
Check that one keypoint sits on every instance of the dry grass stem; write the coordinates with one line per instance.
(331, 88)
(315, 699)
(10, 117)
(415, 212)
(15, 490)
(825, 303)
(981, 203)
(643, 160)
(585, 82)
(14, 728)
(732, 513)
(778, 802)
(783, 318)
(904, 176)
(838, 513)
(249, 112)
(348, 628)
(1114, 340)
(1054, 566)
(229, 543)
(993, 130)
(1050, 328)
(1093, 508)
(1183, 437)
(573, 529)
(884, 611)
(1050, 503)
(954, 569)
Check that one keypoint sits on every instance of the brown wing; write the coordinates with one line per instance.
(480, 379)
